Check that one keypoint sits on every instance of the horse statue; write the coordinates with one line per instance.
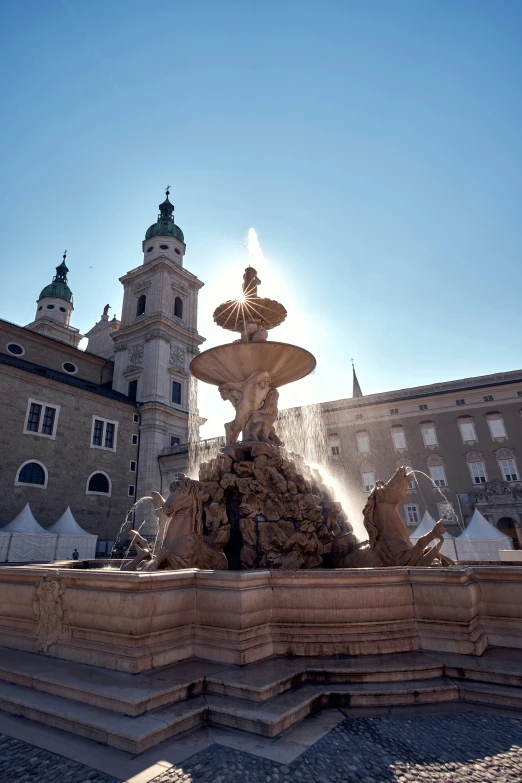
(180, 542)
(389, 542)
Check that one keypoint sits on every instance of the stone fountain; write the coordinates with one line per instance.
(255, 505)
(254, 563)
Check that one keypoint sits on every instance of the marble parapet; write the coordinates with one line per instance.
(135, 621)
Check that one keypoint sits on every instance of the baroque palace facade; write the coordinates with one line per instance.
(96, 429)
(465, 435)
(88, 429)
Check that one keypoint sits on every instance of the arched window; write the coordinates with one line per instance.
(98, 484)
(142, 301)
(178, 307)
(32, 472)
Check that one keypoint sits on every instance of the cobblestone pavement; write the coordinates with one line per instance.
(462, 748)
(23, 763)
(468, 747)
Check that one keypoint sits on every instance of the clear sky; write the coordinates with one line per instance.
(374, 145)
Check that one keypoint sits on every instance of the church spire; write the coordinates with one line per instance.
(356, 391)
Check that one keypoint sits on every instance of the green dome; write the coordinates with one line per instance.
(165, 226)
(58, 288)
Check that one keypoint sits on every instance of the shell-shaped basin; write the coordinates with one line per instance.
(235, 362)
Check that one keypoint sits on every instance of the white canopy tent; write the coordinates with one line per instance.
(427, 524)
(29, 541)
(71, 536)
(481, 540)
(4, 545)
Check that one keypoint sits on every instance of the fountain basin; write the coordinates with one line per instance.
(236, 362)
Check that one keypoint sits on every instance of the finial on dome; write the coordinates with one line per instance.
(167, 191)
(64, 255)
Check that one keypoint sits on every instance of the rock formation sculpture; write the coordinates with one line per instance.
(180, 542)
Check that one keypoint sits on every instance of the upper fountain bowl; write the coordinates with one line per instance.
(236, 362)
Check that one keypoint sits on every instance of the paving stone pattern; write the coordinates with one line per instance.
(23, 763)
(462, 748)
(458, 748)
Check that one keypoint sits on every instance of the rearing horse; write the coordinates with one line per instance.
(387, 531)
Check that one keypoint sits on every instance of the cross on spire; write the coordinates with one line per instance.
(64, 255)
(167, 191)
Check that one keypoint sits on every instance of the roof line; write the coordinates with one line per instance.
(69, 380)
(55, 340)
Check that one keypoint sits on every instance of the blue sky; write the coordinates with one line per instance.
(375, 146)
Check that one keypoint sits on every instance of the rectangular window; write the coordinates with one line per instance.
(429, 435)
(496, 427)
(423, 407)
(134, 440)
(135, 418)
(109, 435)
(41, 418)
(48, 421)
(446, 512)
(488, 398)
(393, 411)
(334, 446)
(132, 391)
(399, 439)
(412, 514)
(174, 441)
(460, 402)
(368, 481)
(131, 490)
(519, 393)
(132, 466)
(411, 485)
(104, 434)
(477, 472)
(467, 430)
(363, 442)
(438, 475)
(97, 433)
(33, 420)
(508, 469)
(176, 393)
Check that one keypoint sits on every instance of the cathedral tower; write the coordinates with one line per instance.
(156, 341)
(54, 308)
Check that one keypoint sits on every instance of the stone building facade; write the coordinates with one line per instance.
(466, 435)
(86, 428)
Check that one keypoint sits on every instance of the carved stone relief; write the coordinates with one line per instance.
(177, 356)
(136, 354)
(120, 346)
(158, 333)
(49, 612)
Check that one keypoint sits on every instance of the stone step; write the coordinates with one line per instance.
(137, 694)
(269, 718)
(133, 735)
(128, 694)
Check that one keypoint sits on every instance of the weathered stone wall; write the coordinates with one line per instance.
(69, 458)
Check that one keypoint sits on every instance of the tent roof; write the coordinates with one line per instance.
(68, 526)
(426, 524)
(25, 523)
(480, 529)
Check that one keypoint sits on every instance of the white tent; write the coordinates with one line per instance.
(427, 524)
(71, 536)
(4, 545)
(481, 540)
(29, 540)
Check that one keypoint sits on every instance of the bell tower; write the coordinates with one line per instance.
(54, 307)
(156, 341)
